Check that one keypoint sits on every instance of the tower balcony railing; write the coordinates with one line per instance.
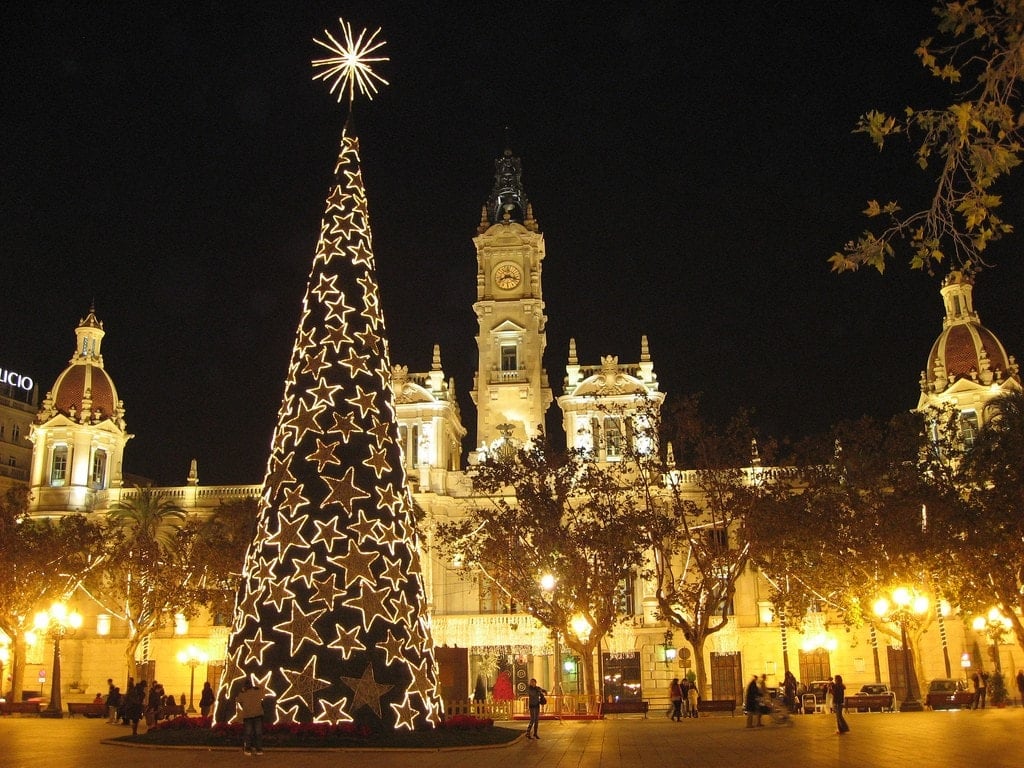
(508, 377)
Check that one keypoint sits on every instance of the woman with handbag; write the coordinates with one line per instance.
(536, 699)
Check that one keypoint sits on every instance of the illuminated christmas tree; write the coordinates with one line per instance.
(330, 617)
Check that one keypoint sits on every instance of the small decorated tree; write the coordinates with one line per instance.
(503, 690)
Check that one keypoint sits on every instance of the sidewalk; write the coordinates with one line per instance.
(992, 738)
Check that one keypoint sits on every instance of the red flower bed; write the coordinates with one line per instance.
(467, 723)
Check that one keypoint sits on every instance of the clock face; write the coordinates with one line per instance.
(507, 276)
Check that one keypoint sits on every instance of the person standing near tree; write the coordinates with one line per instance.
(1020, 685)
(536, 699)
(250, 706)
(206, 700)
(675, 695)
(839, 702)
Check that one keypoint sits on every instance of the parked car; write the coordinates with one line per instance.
(814, 698)
(872, 689)
(945, 693)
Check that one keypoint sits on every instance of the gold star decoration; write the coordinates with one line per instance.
(405, 713)
(344, 425)
(255, 647)
(372, 604)
(303, 684)
(324, 454)
(288, 535)
(325, 287)
(350, 68)
(393, 647)
(278, 593)
(323, 393)
(299, 627)
(327, 532)
(344, 490)
(366, 691)
(306, 570)
(333, 711)
(347, 641)
(356, 564)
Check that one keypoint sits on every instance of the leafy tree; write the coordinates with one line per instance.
(42, 560)
(972, 143)
(989, 557)
(858, 527)
(697, 522)
(218, 547)
(557, 513)
(149, 573)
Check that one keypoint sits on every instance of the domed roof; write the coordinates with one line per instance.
(84, 391)
(83, 386)
(965, 349)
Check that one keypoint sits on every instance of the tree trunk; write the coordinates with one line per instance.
(697, 641)
(17, 671)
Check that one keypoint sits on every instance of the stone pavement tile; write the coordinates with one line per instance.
(990, 739)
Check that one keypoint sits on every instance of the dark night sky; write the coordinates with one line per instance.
(691, 165)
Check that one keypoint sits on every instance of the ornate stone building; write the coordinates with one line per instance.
(80, 434)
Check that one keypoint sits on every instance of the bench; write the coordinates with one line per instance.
(19, 707)
(627, 707)
(170, 710)
(88, 709)
(883, 701)
(717, 705)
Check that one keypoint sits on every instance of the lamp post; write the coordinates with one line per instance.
(192, 657)
(56, 622)
(670, 651)
(904, 608)
(547, 586)
(995, 625)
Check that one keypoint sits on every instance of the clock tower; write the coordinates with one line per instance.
(511, 389)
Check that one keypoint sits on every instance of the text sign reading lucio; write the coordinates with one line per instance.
(16, 380)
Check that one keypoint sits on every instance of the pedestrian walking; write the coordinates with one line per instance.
(675, 695)
(752, 703)
(839, 701)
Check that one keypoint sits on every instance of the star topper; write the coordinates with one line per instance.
(351, 67)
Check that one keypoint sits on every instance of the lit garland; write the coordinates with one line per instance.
(330, 615)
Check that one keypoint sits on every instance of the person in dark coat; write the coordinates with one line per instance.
(206, 700)
(839, 702)
(134, 704)
(535, 696)
(752, 702)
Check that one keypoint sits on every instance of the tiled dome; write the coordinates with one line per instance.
(965, 349)
(84, 390)
(80, 381)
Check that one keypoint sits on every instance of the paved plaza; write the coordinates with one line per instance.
(991, 738)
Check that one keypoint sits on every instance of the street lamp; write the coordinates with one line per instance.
(547, 586)
(56, 622)
(192, 657)
(670, 651)
(995, 625)
(903, 609)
